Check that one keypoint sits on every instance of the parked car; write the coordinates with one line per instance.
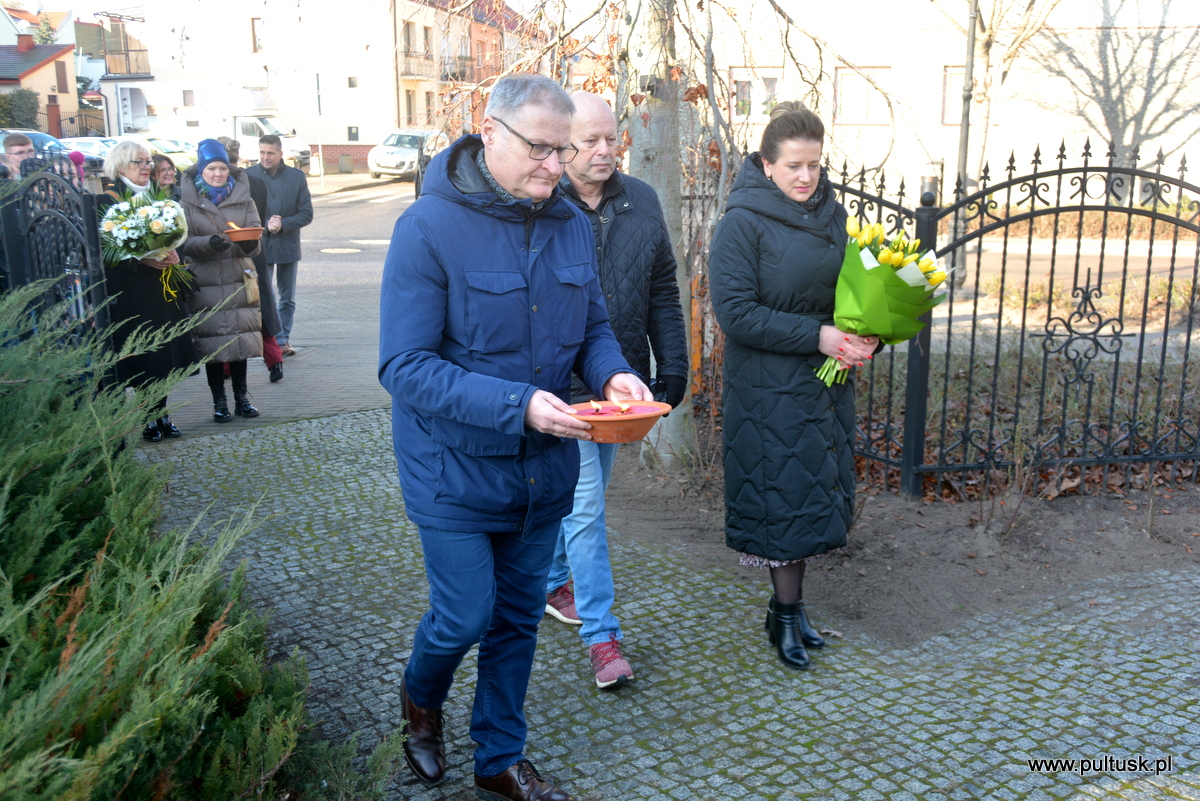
(404, 153)
(44, 143)
(182, 154)
(97, 146)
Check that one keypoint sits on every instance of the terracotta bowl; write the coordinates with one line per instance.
(244, 234)
(628, 427)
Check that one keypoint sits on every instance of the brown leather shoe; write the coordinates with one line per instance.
(424, 745)
(521, 782)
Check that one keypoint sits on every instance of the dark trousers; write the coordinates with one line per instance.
(487, 589)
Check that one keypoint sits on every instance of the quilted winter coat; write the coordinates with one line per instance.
(234, 332)
(637, 274)
(484, 302)
(789, 469)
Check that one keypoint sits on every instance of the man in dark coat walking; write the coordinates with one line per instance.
(489, 302)
(289, 207)
(637, 275)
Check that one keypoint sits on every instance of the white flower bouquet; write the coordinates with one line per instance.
(147, 226)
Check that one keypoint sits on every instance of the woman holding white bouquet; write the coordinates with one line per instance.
(789, 463)
(137, 286)
(217, 200)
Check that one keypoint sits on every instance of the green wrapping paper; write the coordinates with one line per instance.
(874, 302)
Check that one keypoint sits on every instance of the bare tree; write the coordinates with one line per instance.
(1006, 30)
(1134, 84)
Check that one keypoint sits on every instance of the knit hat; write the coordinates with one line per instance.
(210, 150)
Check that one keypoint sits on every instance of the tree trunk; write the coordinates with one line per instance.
(655, 157)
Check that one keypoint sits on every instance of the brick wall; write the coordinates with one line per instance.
(333, 153)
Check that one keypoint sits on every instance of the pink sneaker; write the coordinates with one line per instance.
(560, 604)
(607, 663)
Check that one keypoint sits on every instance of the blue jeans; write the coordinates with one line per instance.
(285, 283)
(483, 588)
(582, 546)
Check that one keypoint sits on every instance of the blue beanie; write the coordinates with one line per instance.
(210, 150)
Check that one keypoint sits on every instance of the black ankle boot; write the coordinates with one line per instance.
(808, 635)
(220, 405)
(167, 428)
(152, 433)
(783, 630)
(241, 403)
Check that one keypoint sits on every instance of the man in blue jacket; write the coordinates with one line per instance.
(490, 300)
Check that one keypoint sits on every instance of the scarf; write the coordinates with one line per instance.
(216, 194)
(134, 188)
(500, 191)
(818, 196)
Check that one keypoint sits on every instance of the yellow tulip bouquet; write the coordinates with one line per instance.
(883, 288)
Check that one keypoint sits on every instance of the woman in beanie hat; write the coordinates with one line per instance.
(214, 196)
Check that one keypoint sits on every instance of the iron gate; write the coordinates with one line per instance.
(1066, 341)
(50, 231)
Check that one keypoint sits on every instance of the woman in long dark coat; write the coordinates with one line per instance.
(138, 292)
(789, 468)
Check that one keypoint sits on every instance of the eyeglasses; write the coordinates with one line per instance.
(143, 162)
(539, 152)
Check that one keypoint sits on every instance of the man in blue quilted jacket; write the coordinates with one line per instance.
(489, 301)
(637, 275)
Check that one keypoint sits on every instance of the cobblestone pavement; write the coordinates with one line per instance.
(1108, 669)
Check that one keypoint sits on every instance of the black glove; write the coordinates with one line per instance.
(218, 243)
(676, 389)
(248, 245)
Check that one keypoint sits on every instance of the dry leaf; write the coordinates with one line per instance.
(832, 633)
(861, 572)
(981, 572)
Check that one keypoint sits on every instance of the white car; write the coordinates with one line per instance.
(97, 146)
(405, 153)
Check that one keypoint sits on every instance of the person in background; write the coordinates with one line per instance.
(272, 356)
(789, 458)
(137, 292)
(213, 197)
(290, 208)
(17, 148)
(637, 276)
(165, 176)
(489, 302)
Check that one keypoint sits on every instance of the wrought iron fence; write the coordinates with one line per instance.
(48, 230)
(1066, 341)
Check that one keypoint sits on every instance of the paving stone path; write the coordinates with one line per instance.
(1107, 670)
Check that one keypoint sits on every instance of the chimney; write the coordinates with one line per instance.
(24, 42)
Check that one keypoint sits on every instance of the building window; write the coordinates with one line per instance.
(428, 42)
(193, 123)
(189, 97)
(60, 75)
(952, 95)
(410, 32)
(352, 83)
(770, 89)
(352, 133)
(410, 107)
(741, 98)
(429, 108)
(256, 35)
(51, 100)
(856, 100)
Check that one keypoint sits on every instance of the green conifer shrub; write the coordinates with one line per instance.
(131, 666)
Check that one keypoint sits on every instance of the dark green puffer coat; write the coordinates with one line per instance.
(789, 467)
